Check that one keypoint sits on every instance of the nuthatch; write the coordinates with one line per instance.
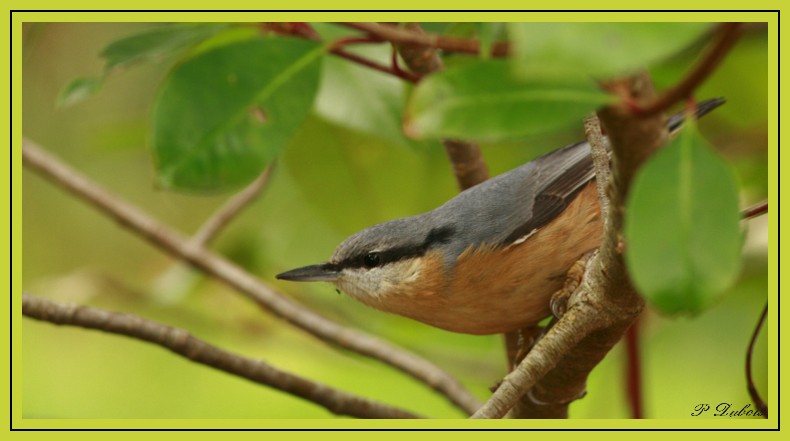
(489, 259)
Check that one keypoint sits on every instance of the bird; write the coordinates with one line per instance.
(488, 260)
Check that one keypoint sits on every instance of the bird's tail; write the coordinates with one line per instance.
(703, 108)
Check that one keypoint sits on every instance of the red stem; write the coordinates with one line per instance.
(634, 371)
(408, 76)
(346, 41)
(761, 405)
(304, 30)
(756, 210)
(394, 61)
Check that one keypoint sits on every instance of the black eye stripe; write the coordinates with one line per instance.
(372, 259)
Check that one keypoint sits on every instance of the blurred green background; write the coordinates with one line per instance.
(348, 167)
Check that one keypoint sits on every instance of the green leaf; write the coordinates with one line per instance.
(150, 45)
(598, 49)
(77, 90)
(222, 115)
(683, 226)
(483, 101)
(363, 99)
(157, 43)
(227, 36)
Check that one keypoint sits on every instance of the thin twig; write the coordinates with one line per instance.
(755, 210)
(347, 41)
(231, 208)
(177, 245)
(304, 30)
(184, 344)
(399, 35)
(759, 403)
(728, 35)
(469, 166)
(404, 75)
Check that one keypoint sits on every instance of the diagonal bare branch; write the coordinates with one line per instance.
(181, 247)
(574, 326)
(184, 344)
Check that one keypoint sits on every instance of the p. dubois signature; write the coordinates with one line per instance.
(726, 410)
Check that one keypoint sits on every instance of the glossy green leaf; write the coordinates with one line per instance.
(77, 90)
(483, 101)
(598, 49)
(683, 226)
(363, 99)
(222, 115)
(157, 43)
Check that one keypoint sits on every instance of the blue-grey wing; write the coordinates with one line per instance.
(560, 175)
(515, 203)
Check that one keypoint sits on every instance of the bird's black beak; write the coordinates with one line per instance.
(323, 272)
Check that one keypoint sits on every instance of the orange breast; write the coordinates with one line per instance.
(494, 289)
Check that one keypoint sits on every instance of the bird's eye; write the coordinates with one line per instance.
(371, 260)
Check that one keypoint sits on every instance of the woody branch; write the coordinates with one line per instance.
(220, 268)
(182, 343)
